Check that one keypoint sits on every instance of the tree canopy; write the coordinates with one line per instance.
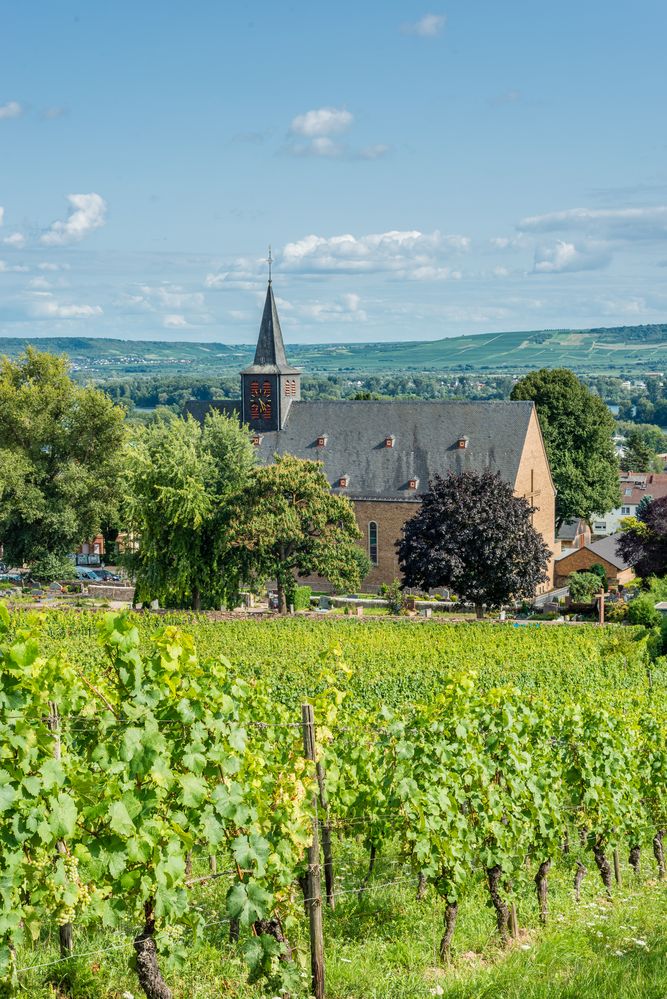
(183, 481)
(474, 535)
(638, 455)
(577, 428)
(60, 458)
(643, 541)
(289, 523)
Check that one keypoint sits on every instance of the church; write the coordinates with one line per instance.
(381, 454)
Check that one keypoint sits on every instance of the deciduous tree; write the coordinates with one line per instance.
(643, 541)
(577, 428)
(182, 484)
(638, 456)
(289, 523)
(60, 458)
(474, 535)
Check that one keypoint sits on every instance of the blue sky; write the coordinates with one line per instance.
(420, 170)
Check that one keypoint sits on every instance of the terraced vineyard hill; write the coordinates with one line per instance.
(622, 349)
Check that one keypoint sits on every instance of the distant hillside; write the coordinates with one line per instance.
(618, 350)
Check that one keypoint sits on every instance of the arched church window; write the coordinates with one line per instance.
(373, 542)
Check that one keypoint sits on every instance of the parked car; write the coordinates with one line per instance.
(11, 577)
(86, 574)
(106, 576)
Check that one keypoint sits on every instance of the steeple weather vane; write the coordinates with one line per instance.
(269, 262)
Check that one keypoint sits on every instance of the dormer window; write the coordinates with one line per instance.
(413, 483)
(462, 443)
(344, 482)
(389, 440)
(322, 440)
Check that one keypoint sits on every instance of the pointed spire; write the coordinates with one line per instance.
(270, 346)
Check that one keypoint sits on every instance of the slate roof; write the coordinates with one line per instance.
(270, 353)
(606, 549)
(571, 529)
(426, 436)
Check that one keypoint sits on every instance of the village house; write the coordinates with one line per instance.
(601, 552)
(635, 486)
(381, 454)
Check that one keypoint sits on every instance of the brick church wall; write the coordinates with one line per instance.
(534, 482)
(389, 517)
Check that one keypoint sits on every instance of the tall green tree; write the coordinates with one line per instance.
(638, 455)
(577, 428)
(183, 481)
(60, 459)
(289, 523)
(474, 535)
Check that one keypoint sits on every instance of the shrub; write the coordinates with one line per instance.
(642, 611)
(582, 586)
(394, 595)
(598, 570)
(302, 595)
(617, 613)
(52, 566)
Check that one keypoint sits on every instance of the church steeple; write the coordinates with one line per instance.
(270, 347)
(270, 383)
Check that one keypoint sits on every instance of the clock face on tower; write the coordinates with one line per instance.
(261, 401)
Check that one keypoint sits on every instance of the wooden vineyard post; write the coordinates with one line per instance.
(601, 606)
(313, 885)
(65, 932)
(617, 867)
(326, 839)
(514, 922)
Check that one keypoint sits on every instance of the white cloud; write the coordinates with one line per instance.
(2, 215)
(608, 223)
(310, 134)
(428, 26)
(16, 239)
(6, 268)
(40, 283)
(48, 266)
(50, 114)
(170, 296)
(346, 308)
(46, 307)
(321, 121)
(88, 212)
(373, 152)
(410, 254)
(175, 321)
(10, 110)
(566, 257)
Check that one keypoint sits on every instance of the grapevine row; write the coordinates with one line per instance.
(110, 782)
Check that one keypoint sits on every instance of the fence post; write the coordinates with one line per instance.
(313, 885)
(601, 606)
(65, 932)
(617, 867)
(326, 839)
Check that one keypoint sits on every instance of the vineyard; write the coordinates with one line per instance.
(239, 795)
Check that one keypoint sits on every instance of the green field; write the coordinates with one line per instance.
(391, 662)
(617, 349)
(166, 759)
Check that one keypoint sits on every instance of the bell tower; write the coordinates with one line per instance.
(269, 385)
